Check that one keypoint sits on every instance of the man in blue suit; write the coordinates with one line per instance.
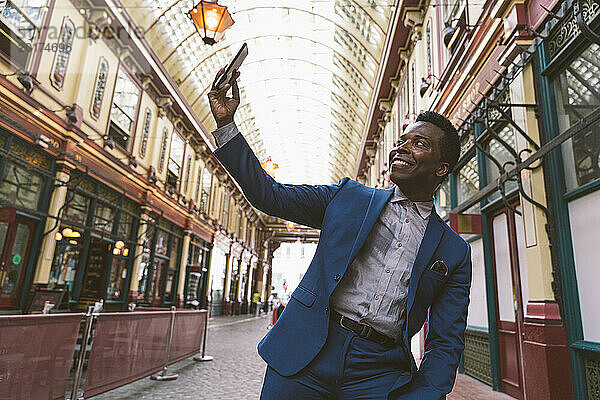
(385, 262)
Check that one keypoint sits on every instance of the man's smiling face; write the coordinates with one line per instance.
(416, 160)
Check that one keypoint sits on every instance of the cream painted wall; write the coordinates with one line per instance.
(536, 245)
(89, 73)
(69, 92)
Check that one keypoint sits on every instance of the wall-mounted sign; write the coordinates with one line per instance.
(61, 60)
(465, 223)
(7, 214)
(145, 133)
(99, 88)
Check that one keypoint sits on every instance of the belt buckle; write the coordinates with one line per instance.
(342, 324)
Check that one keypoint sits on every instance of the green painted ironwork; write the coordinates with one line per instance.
(476, 357)
(592, 376)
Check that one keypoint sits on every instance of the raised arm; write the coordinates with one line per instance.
(304, 204)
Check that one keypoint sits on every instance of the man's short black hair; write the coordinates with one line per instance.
(450, 143)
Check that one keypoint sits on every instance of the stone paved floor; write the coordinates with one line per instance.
(237, 371)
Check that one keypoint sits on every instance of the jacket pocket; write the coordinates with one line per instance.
(304, 296)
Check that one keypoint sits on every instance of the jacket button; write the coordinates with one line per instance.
(326, 310)
(337, 277)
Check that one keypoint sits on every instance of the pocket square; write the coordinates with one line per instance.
(439, 267)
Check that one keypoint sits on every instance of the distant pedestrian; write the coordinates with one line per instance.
(283, 300)
(255, 301)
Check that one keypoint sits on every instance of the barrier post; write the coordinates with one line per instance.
(87, 329)
(204, 357)
(164, 375)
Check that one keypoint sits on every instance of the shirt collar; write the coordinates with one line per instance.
(424, 208)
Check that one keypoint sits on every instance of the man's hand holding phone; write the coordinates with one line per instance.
(223, 107)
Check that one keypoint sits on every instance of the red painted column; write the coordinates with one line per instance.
(546, 353)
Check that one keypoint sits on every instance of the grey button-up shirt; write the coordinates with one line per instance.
(374, 289)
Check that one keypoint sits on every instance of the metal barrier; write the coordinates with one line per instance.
(130, 346)
(36, 353)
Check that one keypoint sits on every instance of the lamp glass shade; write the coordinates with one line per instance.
(449, 35)
(211, 21)
(424, 86)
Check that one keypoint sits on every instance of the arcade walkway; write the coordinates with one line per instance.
(237, 371)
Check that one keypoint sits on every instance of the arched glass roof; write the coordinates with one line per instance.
(305, 86)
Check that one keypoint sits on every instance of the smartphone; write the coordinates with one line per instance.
(234, 65)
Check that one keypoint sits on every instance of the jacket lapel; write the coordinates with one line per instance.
(378, 200)
(431, 239)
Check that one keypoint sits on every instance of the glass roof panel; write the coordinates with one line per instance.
(307, 81)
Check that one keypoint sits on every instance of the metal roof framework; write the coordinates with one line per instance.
(305, 86)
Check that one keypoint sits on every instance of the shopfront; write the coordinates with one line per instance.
(218, 274)
(197, 272)
(159, 271)
(219, 269)
(94, 244)
(26, 178)
(570, 65)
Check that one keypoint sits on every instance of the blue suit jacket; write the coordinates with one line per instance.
(346, 213)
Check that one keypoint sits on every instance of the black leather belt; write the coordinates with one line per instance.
(362, 330)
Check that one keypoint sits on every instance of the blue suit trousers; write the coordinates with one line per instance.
(347, 367)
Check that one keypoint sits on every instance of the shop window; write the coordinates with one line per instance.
(63, 51)
(238, 222)
(467, 181)
(158, 271)
(205, 191)
(235, 280)
(584, 221)
(172, 271)
(145, 270)
(22, 181)
(76, 208)
(64, 265)
(197, 271)
(20, 186)
(118, 277)
(225, 209)
(14, 270)
(500, 153)
(104, 215)
(162, 242)
(577, 95)
(24, 19)
(442, 199)
(175, 160)
(99, 88)
(145, 133)
(23, 16)
(124, 109)
(125, 227)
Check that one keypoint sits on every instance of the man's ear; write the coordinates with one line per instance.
(443, 169)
